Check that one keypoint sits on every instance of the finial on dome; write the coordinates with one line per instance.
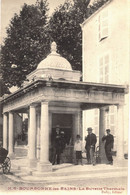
(53, 47)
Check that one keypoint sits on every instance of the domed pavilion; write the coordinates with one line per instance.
(54, 66)
(54, 95)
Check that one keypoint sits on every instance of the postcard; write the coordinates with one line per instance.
(64, 97)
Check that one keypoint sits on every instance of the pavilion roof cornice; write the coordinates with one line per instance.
(88, 86)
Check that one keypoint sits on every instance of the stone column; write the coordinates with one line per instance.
(44, 164)
(74, 129)
(119, 160)
(102, 130)
(78, 124)
(84, 125)
(38, 136)
(32, 137)
(5, 131)
(11, 135)
(50, 136)
(77, 129)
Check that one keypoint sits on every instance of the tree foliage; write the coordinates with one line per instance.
(26, 43)
(64, 29)
(95, 6)
(29, 36)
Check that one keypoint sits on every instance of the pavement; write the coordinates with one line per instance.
(64, 172)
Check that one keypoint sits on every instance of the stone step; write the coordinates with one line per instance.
(76, 177)
(20, 151)
(68, 172)
(74, 170)
(64, 169)
(71, 169)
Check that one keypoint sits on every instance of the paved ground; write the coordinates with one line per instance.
(65, 178)
(7, 185)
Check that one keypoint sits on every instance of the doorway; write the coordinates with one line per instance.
(65, 121)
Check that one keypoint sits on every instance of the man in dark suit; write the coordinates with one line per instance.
(91, 140)
(108, 146)
(58, 145)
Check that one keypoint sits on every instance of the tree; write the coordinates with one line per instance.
(26, 43)
(29, 36)
(64, 29)
(95, 6)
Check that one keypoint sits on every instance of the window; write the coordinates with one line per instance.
(104, 63)
(103, 25)
(96, 121)
(110, 119)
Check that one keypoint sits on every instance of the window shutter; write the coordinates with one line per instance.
(101, 70)
(104, 69)
(99, 27)
(106, 66)
(103, 25)
(112, 118)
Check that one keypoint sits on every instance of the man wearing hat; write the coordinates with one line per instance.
(91, 140)
(108, 146)
(58, 145)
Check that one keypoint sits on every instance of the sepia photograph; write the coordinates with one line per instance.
(64, 96)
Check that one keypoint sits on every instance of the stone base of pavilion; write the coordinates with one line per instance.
(43, 167)
(22, 166)
(120, 163)
(12, 156)
(65, 172)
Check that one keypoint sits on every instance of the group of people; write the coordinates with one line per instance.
(59, 144)
(91, 140)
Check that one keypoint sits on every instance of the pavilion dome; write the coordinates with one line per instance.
(54, 60)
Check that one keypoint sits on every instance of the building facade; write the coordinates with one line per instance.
(106, 59)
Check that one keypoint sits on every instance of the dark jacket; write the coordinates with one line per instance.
(3, 154)
(58, 142)
(109, 140)
(91, 140)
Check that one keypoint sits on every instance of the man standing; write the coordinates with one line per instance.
(57, 146)
(108, 146)
(90, 146)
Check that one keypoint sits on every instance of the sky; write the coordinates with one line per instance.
(9, 7)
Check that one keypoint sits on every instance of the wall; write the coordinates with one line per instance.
(116, 45)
